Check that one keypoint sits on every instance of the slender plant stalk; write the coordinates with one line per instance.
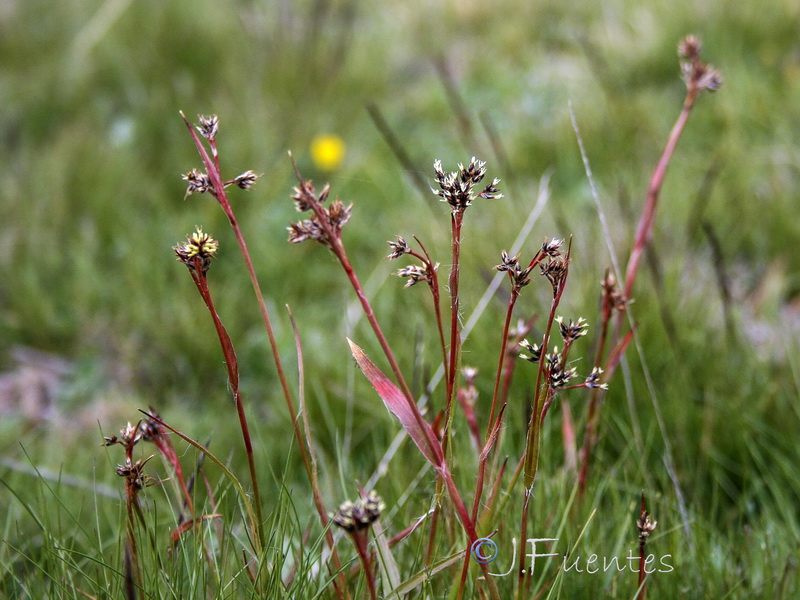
(531, 456)
(243, 495)
(456, 223)
(644, 231)
(218, 191)
(646, 525)
(434, 287)
(442, 469)
(698, 77)
(593, 412)
(366, 563)
(316, 490)
(487, 447)
(233, 379)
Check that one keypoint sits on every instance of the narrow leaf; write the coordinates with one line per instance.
(390, 573)
(426, 574)
(406, 412)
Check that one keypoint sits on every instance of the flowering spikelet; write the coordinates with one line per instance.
(208, 126)
(534, 349)
(198, 182)
(697, 74)
(325, 224)
(457, 188)
(358, 515)
(399, 248)
(646, 525)
(197, 251)
(593, 379)
(552, 247)
(416, 274)
(555, 270)
(246, 180)
(519, 276)
(573, 330)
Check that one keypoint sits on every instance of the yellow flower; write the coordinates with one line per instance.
(327, 152)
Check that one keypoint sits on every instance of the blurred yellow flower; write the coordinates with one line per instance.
(327, 151)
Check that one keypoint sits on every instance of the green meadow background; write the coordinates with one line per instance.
(92, 149)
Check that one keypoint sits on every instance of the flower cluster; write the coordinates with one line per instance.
(208, 126)
(534, 349)
(197, 251)
(325, 225)
(128, 437)
(359, 515)
(612, 298)
(558, 376)
(552, 247)
(458, 187)
(416, 274)
(593, 379)
(697, 74)
(519, 276)
(245, 181)
(199, 182)
(646, 525)
(573, 330)
(556, 373)
(134, 474)
(132, 471)
(399, 248)
(556, 272)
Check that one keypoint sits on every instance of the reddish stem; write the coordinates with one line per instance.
(232, 366)
(645, 228)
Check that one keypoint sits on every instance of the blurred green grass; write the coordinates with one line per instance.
(92, 202)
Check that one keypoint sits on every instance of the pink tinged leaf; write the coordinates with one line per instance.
(406, 412)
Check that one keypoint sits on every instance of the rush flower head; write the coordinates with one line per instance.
(134, 474)
(519, 276)
(593, 379)
(555, 270)
(208, 126)
(573, 330)
(416, 274)
(697, 74)
(246, 180)
(689, 47)
(325, 224)
(359, 515)
(534, 349)
(558, 376)
(197, 251)
(612, 299)
(399, 248)
(128, 436)
(457, 188)
(646, 525)
(198, 182)
(551, 247)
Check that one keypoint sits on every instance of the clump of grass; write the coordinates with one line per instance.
(325, 223)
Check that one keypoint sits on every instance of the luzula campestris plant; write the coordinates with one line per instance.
(324, 226)
(555, 372)
(212, 182)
